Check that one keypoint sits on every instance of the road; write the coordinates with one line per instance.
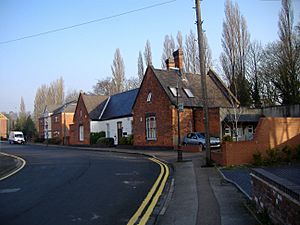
(66, 186)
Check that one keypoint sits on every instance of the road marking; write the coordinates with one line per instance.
(149, 196)
(156, 197)
(9, 190)
(15, 171)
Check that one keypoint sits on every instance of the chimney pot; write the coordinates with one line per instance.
(178, 58)
(170, 63)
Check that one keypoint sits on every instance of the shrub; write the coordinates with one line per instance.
(106, 141)
(273, 155)
(130, 139)
(123, 141)
(297, 152)
(54, 141)
(95, 136)
(257, 159)
(287, 153)
(39, 139)
(227, 138)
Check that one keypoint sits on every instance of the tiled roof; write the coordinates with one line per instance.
(218, 94)
(3, 117)
(119, 105)
(254, 118)
(92, 103)
(68, 107)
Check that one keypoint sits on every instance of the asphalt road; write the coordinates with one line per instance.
(64, 186)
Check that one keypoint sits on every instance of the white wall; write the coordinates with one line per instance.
(110, 127)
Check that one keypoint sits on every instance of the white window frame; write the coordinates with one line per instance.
(149, 97)
(189, 93)
(81, 133)
(227, 131)
(174, 91)
(151, 128)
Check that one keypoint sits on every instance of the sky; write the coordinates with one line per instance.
(84, 54)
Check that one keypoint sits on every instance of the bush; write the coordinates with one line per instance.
(298, 152)
(123, 141)
(257, 159)
(106, 141)
(126, 140)
(227, 138)
(39, 139)
(95, 136)
(54, 141)
(273, 155)
(287, 153)
(130, 139)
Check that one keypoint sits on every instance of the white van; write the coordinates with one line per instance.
(16, 137)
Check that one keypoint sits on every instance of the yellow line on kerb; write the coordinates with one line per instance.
(17, 170)
(138, 213)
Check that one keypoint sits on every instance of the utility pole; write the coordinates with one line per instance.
(203, 80)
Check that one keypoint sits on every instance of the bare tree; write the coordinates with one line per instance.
(118, 72)
(140, 67)
(235, 43)
(168, 49)
(191, 55)
(254, 72)
(40, 102)
(281, 65)
(148, 54)
(179, 40)
(131, 83)
(104, 87)
(72, 96)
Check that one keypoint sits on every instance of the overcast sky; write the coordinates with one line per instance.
(84, 54)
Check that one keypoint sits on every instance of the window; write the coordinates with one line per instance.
(80, 113)
(151, 128)
(174, 91)
(81, 133)
(227, 131)
(149, 97)
(188, 92)
(250, 129)
(56, 119)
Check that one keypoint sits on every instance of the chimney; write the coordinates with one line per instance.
(178, 58)
(170, 63)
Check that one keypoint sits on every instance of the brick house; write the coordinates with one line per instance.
(116, 116)
(45, 125)
(87, 110)
(155, 108)
(61, 119)
(3, 126)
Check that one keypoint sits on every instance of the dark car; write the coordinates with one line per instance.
(198, 138)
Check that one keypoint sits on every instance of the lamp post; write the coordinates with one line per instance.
(64, 140)
(47, 132)
(179, 151)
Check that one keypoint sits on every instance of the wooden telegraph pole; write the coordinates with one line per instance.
(203, 80)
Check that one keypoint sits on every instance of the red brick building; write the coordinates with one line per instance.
(155, 108)
(3, 126)
(61, 119)
(87, 110)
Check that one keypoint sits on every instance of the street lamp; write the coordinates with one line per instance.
(64, 140)
(46, 131)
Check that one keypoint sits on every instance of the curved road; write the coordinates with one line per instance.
(64, 186)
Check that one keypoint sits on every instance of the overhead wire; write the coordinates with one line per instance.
(88, 22)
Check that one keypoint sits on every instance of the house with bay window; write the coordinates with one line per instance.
(163, 92)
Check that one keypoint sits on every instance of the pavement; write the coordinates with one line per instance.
(197, 195)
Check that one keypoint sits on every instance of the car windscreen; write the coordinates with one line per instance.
(19, 135)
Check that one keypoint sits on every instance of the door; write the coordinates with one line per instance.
(120, 131)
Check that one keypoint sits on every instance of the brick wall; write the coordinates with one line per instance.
(276, 202)
(159, 105)
(81, 118)
(270, 133)
(214, 121)
(3, 128)
(58, 125)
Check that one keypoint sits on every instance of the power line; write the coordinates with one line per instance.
(88, 22)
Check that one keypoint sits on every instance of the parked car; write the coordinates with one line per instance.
(16, 137)
(197, 138)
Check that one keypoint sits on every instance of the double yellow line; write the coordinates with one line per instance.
(152, 196)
